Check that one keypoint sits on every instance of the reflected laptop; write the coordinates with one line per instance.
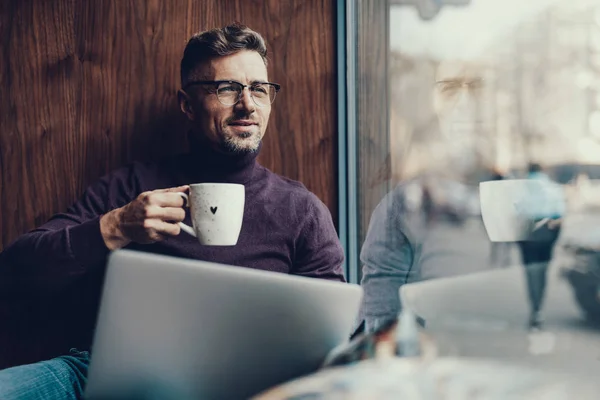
(173, 328)
(489, 297)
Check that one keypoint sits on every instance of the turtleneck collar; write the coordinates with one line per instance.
(209, 165)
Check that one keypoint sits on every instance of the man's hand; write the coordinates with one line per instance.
(151, 217)
(550, 223)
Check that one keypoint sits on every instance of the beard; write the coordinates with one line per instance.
(247, 142)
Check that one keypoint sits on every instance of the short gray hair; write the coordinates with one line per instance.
(207, 45)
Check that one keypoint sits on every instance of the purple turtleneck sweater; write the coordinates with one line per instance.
(286, 228)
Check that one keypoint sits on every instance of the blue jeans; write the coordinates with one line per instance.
(62, 378)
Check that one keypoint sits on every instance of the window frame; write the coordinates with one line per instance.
(361, 183)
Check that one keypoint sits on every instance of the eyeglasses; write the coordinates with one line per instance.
(229, 93)
(452, 87)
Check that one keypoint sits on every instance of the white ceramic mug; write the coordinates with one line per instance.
(217, 211)
(510, 208)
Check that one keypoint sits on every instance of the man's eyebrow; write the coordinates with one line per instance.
(256, 81)
(449, 80)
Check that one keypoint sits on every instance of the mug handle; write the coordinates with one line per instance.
(186, 203)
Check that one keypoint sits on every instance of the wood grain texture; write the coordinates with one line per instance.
(372, 107)
(90, 86)
(87, 86)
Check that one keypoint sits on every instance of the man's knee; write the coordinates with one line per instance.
(60, 378)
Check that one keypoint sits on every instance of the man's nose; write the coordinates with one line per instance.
(246, 101)
(464, 102)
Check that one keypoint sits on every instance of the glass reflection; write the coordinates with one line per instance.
(492, 91)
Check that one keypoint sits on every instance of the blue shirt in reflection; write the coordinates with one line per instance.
(546, 200)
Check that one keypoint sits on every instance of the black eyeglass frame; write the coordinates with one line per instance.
(216, 84)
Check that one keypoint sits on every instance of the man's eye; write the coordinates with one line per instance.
(259, 89)
(228, 89)
(448, 86)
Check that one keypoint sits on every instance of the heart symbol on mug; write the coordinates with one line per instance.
(213, 210)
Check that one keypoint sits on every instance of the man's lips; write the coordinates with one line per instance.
(243, 123)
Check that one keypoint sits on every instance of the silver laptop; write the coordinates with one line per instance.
(173, 328)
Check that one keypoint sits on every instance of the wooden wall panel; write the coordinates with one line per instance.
(87, 86)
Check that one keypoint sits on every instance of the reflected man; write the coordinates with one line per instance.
(444, 236)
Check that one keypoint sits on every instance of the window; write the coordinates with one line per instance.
(444, 95)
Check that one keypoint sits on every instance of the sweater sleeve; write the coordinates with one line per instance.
(319, 253)
(70, 243)
(387, 256)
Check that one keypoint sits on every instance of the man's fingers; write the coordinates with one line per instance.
(182, 188)
(540, 223)
(555, 223)
(165, 199)
(167, 228)
(176, 214)
(157, 229)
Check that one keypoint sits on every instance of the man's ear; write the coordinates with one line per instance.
(185, 104)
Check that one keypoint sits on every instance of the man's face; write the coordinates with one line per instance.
(232, 129)
(456, 99)
(458, 105)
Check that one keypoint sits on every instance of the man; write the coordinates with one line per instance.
(407, 242)
(536, 252)
(500, 251)
(227, 96)
(404, 244)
